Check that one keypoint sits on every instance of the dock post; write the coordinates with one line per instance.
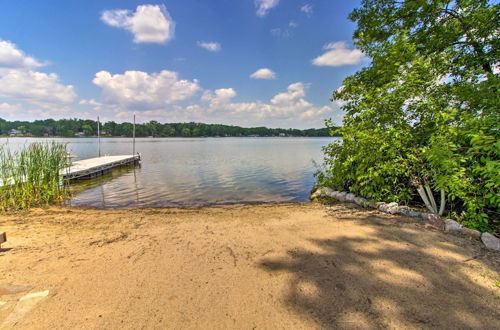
(98, 137)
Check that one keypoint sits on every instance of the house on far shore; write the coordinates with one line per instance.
(79, 134)
(15, 132)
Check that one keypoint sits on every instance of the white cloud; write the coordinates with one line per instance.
(338, 54)
(140, 90)
(35, 87)
(210, 46)
(19, 82)
(283, 109)
(8, 110)
(286, 109)
(307, 9)
(148, 24)
(263, 73)
(13, 58)
(294, 91)
(292, 24)
(263, 6)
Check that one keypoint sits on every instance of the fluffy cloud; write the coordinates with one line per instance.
(263, 73)
(19, 82)
(307, 9)
(263, 6)
(338, 54)
(13, 58)
(283, 109)
(36, 88)
(148, 24)
(140, 90)
(210, 46)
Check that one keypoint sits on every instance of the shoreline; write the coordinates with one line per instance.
(288, 265)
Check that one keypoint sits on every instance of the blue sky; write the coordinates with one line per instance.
(246, 62)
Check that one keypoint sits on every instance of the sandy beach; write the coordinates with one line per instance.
(278, 266)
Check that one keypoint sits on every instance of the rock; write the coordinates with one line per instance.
(490, 241)
(341, 196)
(470, 232)
(361, 201)
(350, 197)
(414, 214)
(314, 195)
(427, 216)
(328, 192)
(318, 191)
(451, 225)
(335, 194)
(392, 208)
(403, 210)
(388, 208)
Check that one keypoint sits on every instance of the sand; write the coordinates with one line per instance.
(283, 266)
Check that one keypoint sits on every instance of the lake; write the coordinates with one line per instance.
(192, 172)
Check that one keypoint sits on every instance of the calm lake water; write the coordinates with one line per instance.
(191, 172)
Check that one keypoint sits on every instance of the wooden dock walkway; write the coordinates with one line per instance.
(93, 167)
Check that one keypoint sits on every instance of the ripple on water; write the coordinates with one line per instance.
(197, 172)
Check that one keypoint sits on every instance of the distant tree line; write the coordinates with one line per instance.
(85, 127)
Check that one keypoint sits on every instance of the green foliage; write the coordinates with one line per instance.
(30, 177)
(425, 111)
(68, 128)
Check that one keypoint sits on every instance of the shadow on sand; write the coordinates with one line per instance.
(400, 276)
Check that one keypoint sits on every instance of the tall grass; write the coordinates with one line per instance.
(30, 177)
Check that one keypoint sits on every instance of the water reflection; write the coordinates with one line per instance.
(190, 172)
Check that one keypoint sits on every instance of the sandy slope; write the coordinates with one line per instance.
(288, 266)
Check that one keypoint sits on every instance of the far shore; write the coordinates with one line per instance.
(159, 137)
(271, 266)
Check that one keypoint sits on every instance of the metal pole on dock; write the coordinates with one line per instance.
(133, 137)
(98, 137)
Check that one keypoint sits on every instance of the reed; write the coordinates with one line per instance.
(30, 177)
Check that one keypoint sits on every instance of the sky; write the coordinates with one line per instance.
(268, 63)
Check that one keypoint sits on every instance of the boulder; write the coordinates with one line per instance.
(388, 208)
(427, 216)
(490, 241)
(451, 225)
(341, 196)
(335, 194)
(350, 197)
(361, 201)
(328, 192)
(470, 232)
(404, 210)
(315, 195)
(392, 208)
(414, 214)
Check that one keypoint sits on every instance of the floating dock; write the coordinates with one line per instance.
(93, 167)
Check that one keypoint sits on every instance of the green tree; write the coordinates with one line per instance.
(87, 130)
(423, 116)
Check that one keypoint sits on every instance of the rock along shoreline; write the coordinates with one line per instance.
(490, 241)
